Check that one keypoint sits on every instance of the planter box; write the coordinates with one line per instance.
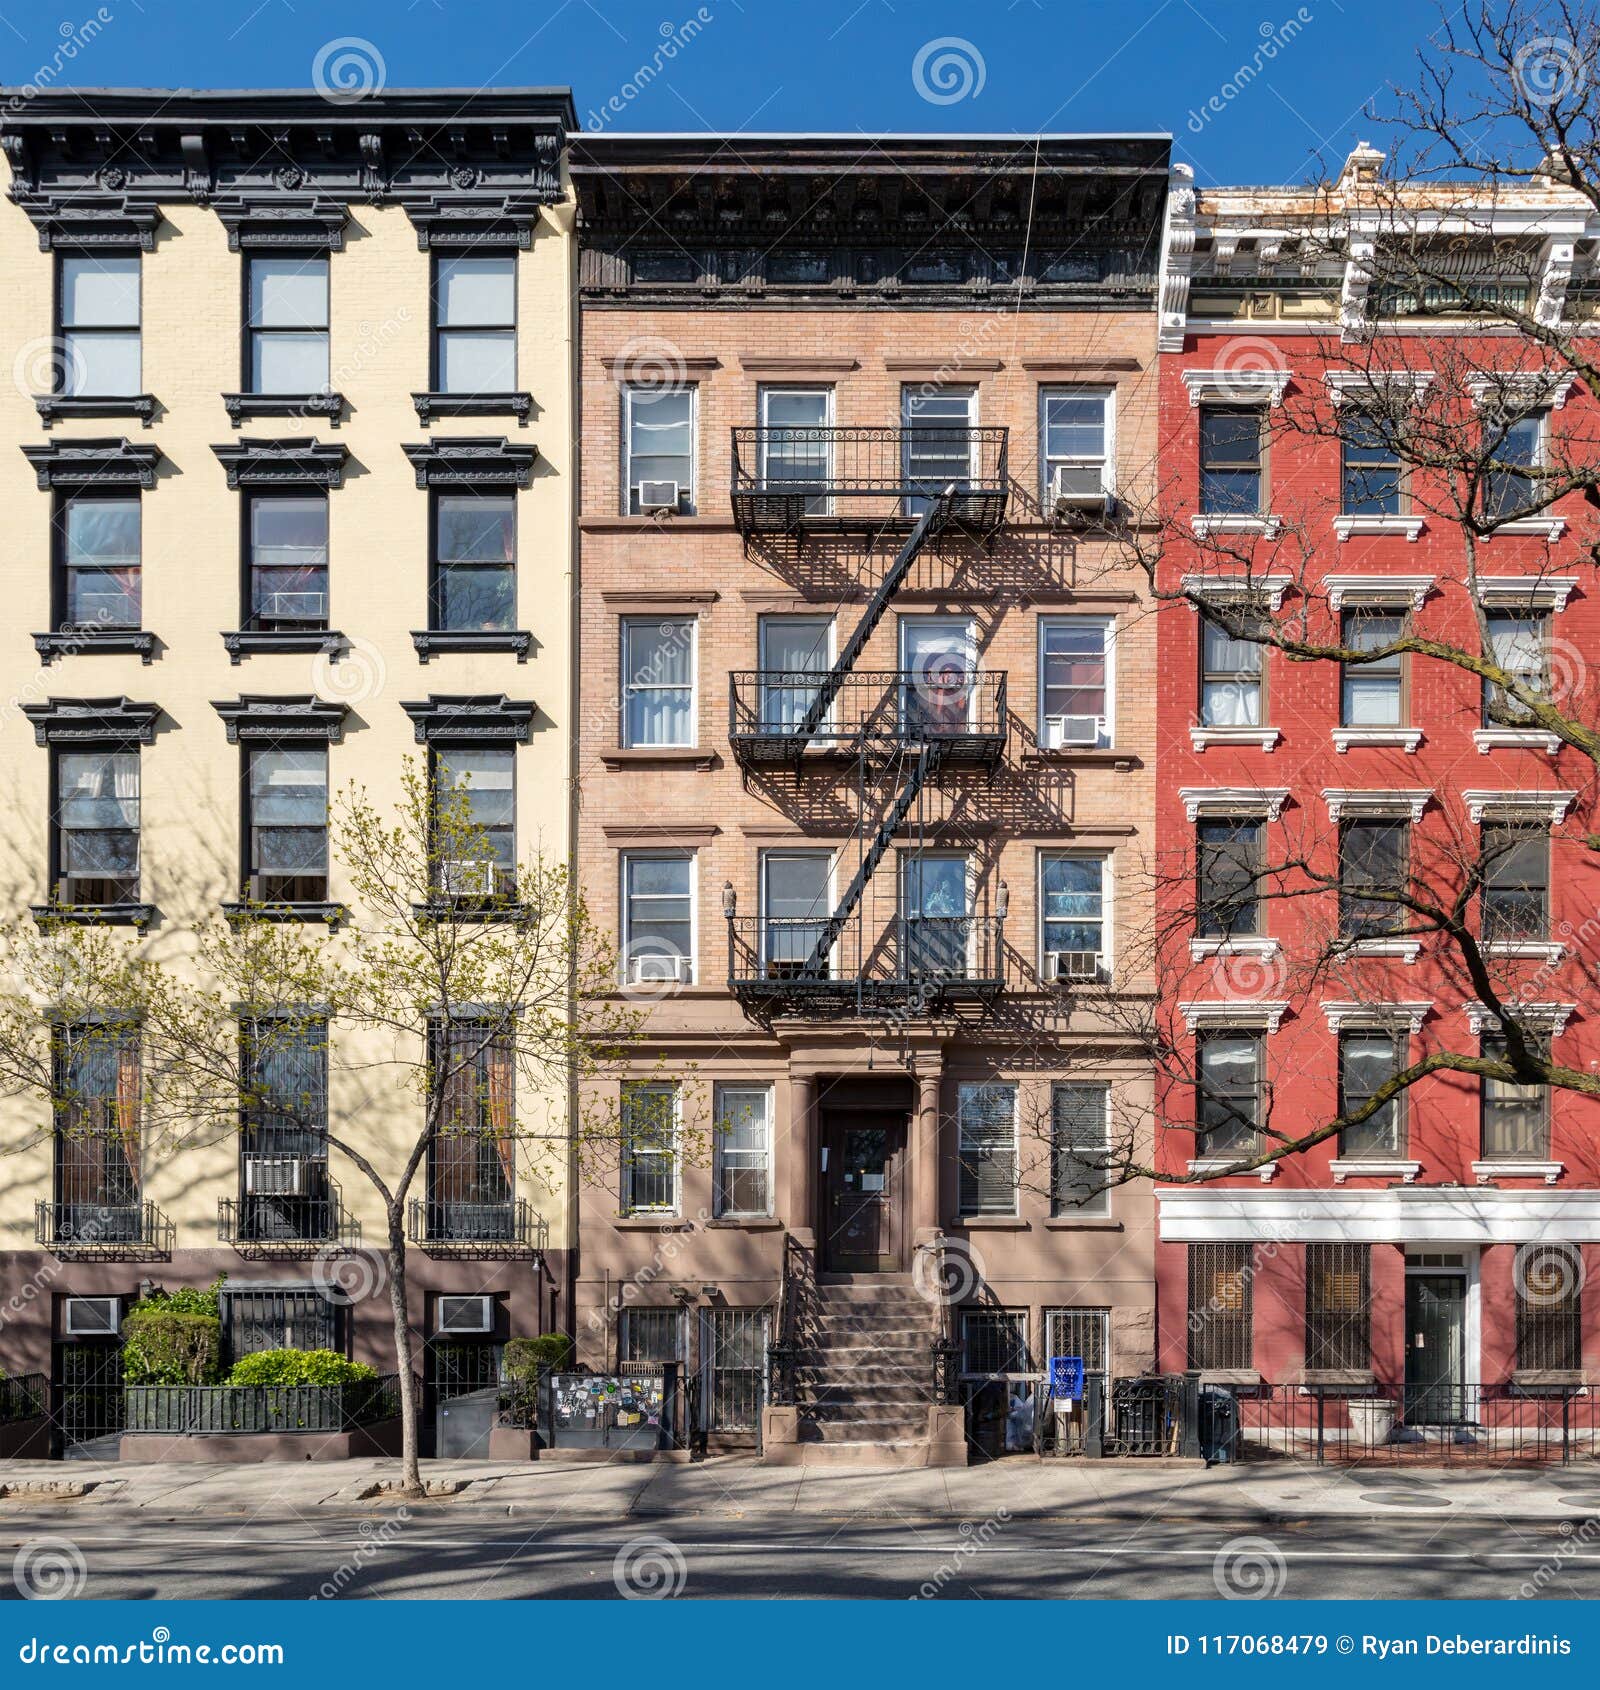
(25, 1440)
(381, 1439)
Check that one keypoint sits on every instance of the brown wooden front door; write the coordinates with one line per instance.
(863, 1186)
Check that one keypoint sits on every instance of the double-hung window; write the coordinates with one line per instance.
(283, 1147)
(658, 918)
(658, 432)
(1228, 1093)
(796, 652)
(649, 1148)
(1230, 858)
(98, 585)
(1076, 692)
(99, 305)
(288, 561)
(1080, 1150)
(474, 562)
(1516, 1117)
(1231, 668)
(97, 847)
(1519, 643)
(286, 789)
(1339, 1307)
(1371, 472)
(743, 1150)
(1515, 445)
(1374, 870)
(1368, 1059)
(796, 902)
(288, 327)
(1221, 1321)
(1516, 882)
(476, 806)
(987, 1151)
(98, 1154)
(1073, 913)
(472, 1154)
(1371, 694)
(797, 443)
(937, 427)
(936, 914)
(1231, 461)
(1075, 442)
(475, 324)
(658, 681)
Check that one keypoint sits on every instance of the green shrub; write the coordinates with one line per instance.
(166, 1346)
(527, 1358)
(298, 1367)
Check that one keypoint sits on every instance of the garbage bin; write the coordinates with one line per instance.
(1219, 1424)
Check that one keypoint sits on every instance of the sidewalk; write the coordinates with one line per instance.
(736, 1487)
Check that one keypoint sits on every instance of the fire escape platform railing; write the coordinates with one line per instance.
(880, 712)
(441, 1226)
(851, 480)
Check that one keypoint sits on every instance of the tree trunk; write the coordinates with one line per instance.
(410, 1472)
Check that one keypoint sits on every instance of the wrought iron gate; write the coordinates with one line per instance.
(88, 1393)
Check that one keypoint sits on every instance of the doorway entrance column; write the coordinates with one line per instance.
(803, 1159)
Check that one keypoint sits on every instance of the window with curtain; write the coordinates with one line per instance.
(1549, 1280)
(100, 550)
(1374, 867)
(1230, 677)
(936, 914)
(97, 798)
(1371, 694)
(1221, 1322)
(658, 680)
(1074, 681)
(98, 1156)
(795, 655)
(657, 911)
(1368, 1060)
(289, 324)
(475, 785)
(1516, 445)
(475, 323)
(1516, 882)
(1080, 1121)
(1228, 1113)
(1519, 643)
(649, 1148)
(743, 1150)
(1516, 1117)
(283, 1150)
(475, 562)
(99, 304)
(472, 1155)
(1230, 858)
(286, 789)
(1338, 1307)
(1372, 474)
(288, 561)
(1230, 461)
(986, 1118)
(658, 443)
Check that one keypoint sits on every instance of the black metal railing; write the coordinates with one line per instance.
(946, 1355)
(199, 1410)
(964, 710)
(502, 1228)
(266, 1221)
(932, 959)
(517, 1403)
(23, 1398)
(789, 479)
(102, 1229)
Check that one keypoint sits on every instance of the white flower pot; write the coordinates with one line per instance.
(1371, 1419)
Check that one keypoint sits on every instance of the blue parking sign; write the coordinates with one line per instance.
(1066, 1377)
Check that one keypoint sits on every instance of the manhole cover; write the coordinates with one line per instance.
(1405, 1499)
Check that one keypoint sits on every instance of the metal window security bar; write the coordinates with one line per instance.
(733, 1349)
(1220, 1314)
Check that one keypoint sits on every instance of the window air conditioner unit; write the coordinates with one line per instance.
(295, 607)
(1072, 965)
(656, 496)
(92, 1317)
(469, 877)
(1061, 732)
(1079, 489)
(276, 1176)
(465, 1314)
(658, 967)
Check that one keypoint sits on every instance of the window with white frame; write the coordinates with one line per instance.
(658, 681)
(649, 1148)
(1073, 915)
(658, 917)
(743, 1150)
(1080, 1149)
(938, 441)
(797, 443)
(1075, 445)
(1372, 693)
(986, 1117)
(658, 433)
(796, 903)
(1076, 682)
(795, 653)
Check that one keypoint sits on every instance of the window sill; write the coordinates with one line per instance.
(431, 405)
(53, 406)
(1200, 949)
(241, 407)
(658, 756)
(332, 914)
(70, 642)
(1407, 739)
(1407, 950)
(1516, 739)
(1264, 738)
(1485, 1173)
(1214, 1166)
(1353, 1167)
(436, 642)
(1246, 1377)
(746, 1223)
(1547, 527)
(993, 1223)
(465, 913)
(651, 1223)
(1109, 757)
(1353, 523)
(1086, 1223)
(1543, 949)
(1338, 1378)
(95, 915)
(241, 643)
(1549, 1378)
(1269, 527)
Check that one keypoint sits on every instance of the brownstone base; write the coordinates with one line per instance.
(382, 1439)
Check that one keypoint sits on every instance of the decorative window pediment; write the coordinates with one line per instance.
(303, 717)
(1551, 1018)
(1375, 590)
(94, 463)
(1409, 802)
(1549, 807)
(92, 721)
(471, 461)
(1234, 591)
(280, 222)
(1201, 801)
(302, 462)
(1375, 1017)
(1258, 1015)
(1526, 592)
(1381, 387)
(1522, 390)
(1235, 387)
(478, 718)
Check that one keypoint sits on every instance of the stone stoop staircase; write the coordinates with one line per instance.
(866, 1373)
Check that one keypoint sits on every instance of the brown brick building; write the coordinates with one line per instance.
(866, 737)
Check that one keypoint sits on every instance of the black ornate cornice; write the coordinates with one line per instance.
(93, 167)
(474, 718)
(298, 462)
(93, 721)
(696, 220)
(93, 463)
(303, 718)
(470, 460)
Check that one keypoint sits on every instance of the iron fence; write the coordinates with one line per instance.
(199, 1410)
(23, 1398)
(505, 1228)
(103, 1229)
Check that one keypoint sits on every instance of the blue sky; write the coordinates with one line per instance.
(1314, 66)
